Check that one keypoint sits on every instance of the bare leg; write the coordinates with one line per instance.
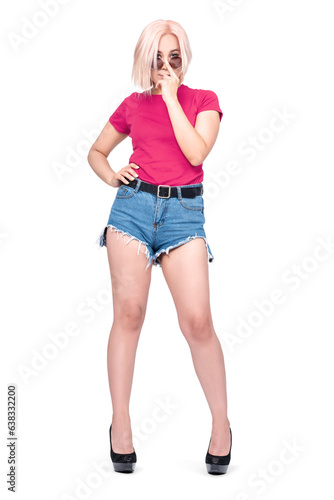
(186, 272)
(130, 286)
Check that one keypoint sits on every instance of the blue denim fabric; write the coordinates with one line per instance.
(159, 223)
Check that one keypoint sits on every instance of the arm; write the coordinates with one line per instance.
(108, 139)
(195, 142)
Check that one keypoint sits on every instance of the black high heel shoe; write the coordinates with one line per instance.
(218, 464)
(122, 462)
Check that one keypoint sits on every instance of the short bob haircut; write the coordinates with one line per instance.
(147, 49)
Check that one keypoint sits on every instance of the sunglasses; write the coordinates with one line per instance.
(175, 63)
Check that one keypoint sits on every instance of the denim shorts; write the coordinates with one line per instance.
(159, 223)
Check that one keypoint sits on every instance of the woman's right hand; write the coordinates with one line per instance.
(122, 176)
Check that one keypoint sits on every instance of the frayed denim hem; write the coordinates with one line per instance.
(210, 256)
(102, 241)
(151, 259)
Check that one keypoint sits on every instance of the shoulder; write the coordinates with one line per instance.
(206, 100)
(131, 101)
(130, 98)
(125, 106)
(199, 93)
(134, 96)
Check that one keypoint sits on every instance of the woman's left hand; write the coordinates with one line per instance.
(169, 85)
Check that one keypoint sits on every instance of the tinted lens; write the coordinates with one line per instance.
(159, 63)
(175, 62)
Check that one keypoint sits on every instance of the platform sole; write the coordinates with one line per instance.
(124, 467)
(216, 468)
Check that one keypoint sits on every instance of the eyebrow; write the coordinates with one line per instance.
(159, 52)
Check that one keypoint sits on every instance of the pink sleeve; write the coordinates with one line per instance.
(118, 119)
(208, 100)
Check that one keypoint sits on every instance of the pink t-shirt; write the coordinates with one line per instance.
(155, 149)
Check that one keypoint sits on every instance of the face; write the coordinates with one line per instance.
(168, 49)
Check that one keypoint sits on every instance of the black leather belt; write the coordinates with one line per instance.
(164, 191)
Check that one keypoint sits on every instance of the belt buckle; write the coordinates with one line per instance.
(164, 185)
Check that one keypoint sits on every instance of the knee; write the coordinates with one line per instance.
(197, 327)
(130, 316)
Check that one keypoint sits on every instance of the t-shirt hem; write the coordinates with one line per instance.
(212, 109)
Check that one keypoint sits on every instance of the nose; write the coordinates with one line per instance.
(165, 65)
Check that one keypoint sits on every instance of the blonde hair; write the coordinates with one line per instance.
(147, 48)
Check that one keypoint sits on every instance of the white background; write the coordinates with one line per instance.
(59, 88)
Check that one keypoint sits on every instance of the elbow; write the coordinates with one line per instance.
(195, 161)
(89, 154)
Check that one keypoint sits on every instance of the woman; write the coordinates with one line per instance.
(157, 218)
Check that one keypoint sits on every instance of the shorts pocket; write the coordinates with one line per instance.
(195, 203)
(125, 191)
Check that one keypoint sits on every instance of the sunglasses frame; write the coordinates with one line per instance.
(170, 62)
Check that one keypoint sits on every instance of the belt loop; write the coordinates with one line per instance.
(179, 192)
(138, 185)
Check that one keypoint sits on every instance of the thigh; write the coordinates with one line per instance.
(130, 279)
(186, 271)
